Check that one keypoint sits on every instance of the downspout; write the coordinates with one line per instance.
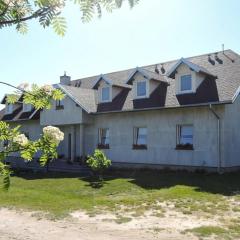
(218, 138)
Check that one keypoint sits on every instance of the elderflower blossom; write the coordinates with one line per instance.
(23, 86)
(47, 89)
(21, 140)
(53, 133)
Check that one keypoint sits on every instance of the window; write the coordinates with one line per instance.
(27, 107)
(140, 138)
(9, 108)
(185, 137)
(105, 94)
(141, 89)
(186, 83)
(59, 104)
(103, 138)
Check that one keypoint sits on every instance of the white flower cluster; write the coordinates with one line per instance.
(21, 139)
(23, 86)
(47, 89)
(53, 133)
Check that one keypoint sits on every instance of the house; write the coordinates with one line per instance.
(181, 114)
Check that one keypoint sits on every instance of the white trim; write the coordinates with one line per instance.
(137, 70)
(110, 94)
(146, 89)
(191, 65)
(102, 77)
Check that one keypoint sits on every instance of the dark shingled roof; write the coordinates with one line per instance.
(219, 90)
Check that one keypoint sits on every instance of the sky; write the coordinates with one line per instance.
(154, 31)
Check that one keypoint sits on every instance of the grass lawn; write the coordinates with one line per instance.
(60, 194)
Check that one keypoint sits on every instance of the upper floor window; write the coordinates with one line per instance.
(103, 138)
(27, 107)
(186, 83)
(141, 89)
(9, 108)
(105, 96)
(185, 137)
(140, 138)
(59, 104)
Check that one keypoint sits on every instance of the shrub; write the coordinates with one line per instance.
(98, 162)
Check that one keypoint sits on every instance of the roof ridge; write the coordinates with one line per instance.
(151, 65)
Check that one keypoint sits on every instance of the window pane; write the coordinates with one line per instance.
(186, 135)
(141, 136)
(186, 82)
(105, 136)
(141, 89)
(105, 94)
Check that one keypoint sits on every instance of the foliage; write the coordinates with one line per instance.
(48, 12)
(138, 191)
(98, 162)
(12, 140)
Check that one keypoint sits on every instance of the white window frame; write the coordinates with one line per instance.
(136, 135)
(100, 136)
(146, 89)
(109, 95)
(27, 107)
(179, 131)
(9, 108)
(180, 83)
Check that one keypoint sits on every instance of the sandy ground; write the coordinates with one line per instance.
(20, 225)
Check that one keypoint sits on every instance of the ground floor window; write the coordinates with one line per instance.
(103, 138)
(185, 137)
(139, 138)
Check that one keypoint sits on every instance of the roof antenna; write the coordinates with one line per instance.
(223, 48)
(65, 73)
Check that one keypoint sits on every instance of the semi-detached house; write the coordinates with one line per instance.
(182, 113)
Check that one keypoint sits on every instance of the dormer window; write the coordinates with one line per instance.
(186, 83)
(27, 107)
(105, 94)
(9, 109)
(141, 89)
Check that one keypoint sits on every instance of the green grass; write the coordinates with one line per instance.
(229, 232)
(60, 194)
(206, 231)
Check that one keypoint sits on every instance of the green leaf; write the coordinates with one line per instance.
(59, 25)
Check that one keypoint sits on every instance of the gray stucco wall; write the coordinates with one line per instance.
(161, 125)
(231, 144)
(71, 114)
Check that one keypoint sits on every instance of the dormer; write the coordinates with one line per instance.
(27, 107)
(9, 108)
(188, 76)
(144, 82)
(106, 89)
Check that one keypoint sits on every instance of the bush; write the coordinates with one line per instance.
(98, 162)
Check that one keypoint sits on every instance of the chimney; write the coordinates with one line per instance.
(65, 80)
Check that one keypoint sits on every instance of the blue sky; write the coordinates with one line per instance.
(152, 32)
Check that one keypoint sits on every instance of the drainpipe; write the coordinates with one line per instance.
(218, 138)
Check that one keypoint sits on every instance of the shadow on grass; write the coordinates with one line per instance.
(227, 184)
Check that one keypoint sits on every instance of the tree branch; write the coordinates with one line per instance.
(36, 14)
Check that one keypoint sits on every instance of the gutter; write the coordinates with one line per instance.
(163, 108)
(218, 138)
